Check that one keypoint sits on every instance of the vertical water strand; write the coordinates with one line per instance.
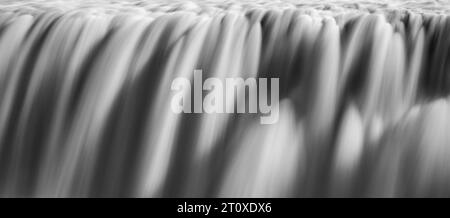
(417, 37)
(382, 36)
(161, 128)
(93, 109)
(208, 152)
(94, 30)
(435, 79)
(31, 131)
(196, 169)
(322, 101)
(127, 125)
(14, 92)
(225, 62)
(393, 102)
(324, 106)
(357, 33)
(181, 158)
(12, 37)
(162, 144)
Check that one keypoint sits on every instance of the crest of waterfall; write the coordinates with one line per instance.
(85, 99)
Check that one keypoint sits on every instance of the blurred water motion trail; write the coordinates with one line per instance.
(85, 99)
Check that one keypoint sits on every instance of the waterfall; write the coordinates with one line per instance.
(85, 98)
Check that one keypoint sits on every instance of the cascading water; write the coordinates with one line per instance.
(85, 99)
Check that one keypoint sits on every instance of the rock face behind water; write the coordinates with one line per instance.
(85, 98)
